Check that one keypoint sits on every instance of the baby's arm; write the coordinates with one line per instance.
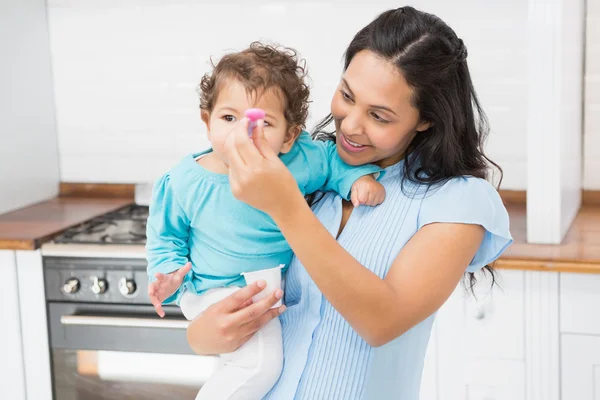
(355, 183)
(366, 190)
(167, 249)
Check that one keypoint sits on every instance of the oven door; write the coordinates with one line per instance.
(122, 352)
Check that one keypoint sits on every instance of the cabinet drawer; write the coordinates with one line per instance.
(580, 303)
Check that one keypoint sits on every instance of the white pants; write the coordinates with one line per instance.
(249, 372)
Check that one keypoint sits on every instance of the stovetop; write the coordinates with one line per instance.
(101, 260)
(125, 226)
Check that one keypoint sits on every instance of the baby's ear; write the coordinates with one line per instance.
(205, 116)
(290, 137)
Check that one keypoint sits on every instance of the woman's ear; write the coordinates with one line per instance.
(423, 126)
(205, 116)
(290, 137)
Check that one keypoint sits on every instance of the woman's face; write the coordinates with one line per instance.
(374, 119)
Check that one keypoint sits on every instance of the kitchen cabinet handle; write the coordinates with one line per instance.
(123, 322)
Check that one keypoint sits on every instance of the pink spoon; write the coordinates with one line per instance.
(254, 114)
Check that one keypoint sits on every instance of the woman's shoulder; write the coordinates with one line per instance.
(464, 198)
(462, 188)
(469, 200)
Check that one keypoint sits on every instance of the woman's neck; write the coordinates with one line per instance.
(388, 162)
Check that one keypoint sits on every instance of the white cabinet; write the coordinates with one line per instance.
(12, 372)
(480, 342)
(580, 367)
(535, 337)
(477, 350)
(580, 303)
(580, 336)
(24, 349)
(34, 325)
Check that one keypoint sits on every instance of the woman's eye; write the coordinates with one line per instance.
(377, 118)
(267, 124)
(346, 95)
(229, 118)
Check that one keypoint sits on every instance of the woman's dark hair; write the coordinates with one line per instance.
(432, 60)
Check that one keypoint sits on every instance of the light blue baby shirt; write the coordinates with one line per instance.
(194, 216)
(325, 358)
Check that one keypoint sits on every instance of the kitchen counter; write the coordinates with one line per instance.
(28, 228)
(579, 251)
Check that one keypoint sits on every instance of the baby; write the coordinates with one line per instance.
(201, 239)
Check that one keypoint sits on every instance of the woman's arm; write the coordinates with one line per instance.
(419, 281)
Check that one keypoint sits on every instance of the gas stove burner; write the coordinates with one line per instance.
(126, 237)
(126, 225)
(133, 212)
(87, 229)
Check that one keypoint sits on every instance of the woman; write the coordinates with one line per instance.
(365, 284)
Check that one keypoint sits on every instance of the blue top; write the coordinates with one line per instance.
(324, 358)
(193, 215)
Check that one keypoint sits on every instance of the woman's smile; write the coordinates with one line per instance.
(350, 146)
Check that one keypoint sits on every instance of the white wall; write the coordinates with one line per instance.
(126, 72)
(28, 149)
(591, 173)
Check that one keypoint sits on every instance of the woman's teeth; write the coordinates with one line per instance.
(353, 144)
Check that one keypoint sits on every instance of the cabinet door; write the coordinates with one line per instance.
(579, 301)
(429, 378)
(12, 373)
(34, 328)
(580, 367)
(480, 342)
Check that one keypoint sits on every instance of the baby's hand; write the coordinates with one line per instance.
(366, 190)
(165, 285)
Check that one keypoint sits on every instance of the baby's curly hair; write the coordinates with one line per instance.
(259, 68)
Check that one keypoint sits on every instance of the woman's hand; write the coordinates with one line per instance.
(256, 174)
(228, 324)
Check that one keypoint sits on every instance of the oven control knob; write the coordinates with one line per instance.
(99, 286)
(71, 286)
(127, 287)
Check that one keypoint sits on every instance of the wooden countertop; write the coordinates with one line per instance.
(28, 228)
(579, 251)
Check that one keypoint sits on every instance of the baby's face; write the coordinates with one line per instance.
(231, 103)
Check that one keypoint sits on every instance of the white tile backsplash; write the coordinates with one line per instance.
(126, 72)
(591, 137)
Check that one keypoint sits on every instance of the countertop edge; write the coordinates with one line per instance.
(547, 265)
(36, 241)
(505, 262)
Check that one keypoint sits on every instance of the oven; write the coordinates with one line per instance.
(106, 340)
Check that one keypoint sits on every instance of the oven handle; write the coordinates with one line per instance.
(123, 322)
